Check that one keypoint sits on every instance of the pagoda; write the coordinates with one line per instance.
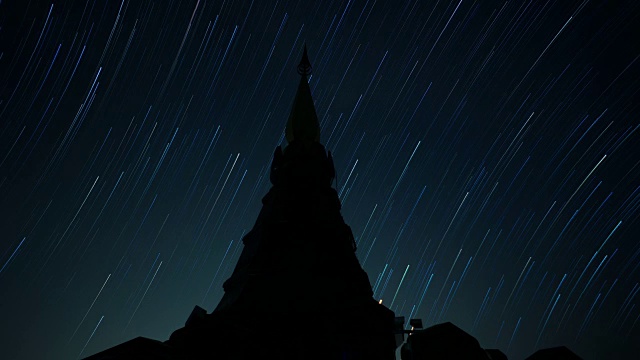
(297, 290)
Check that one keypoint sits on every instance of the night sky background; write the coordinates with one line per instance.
(487, 154)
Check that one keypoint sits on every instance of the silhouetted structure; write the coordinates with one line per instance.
(555, 353)
(442, 341)
(298, 290)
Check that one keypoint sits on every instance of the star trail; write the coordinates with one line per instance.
(487, 157)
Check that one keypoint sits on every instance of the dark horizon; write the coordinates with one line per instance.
(486, 155)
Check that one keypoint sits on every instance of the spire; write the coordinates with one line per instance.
(303, 122)
(304, 67)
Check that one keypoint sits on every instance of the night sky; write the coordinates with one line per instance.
(487, 154)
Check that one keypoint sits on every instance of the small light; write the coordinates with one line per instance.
(416, 323)
(380, 302)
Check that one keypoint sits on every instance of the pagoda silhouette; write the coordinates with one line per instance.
(297, 290)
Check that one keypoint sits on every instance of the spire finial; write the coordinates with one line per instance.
(304, 67)
(303, 123)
